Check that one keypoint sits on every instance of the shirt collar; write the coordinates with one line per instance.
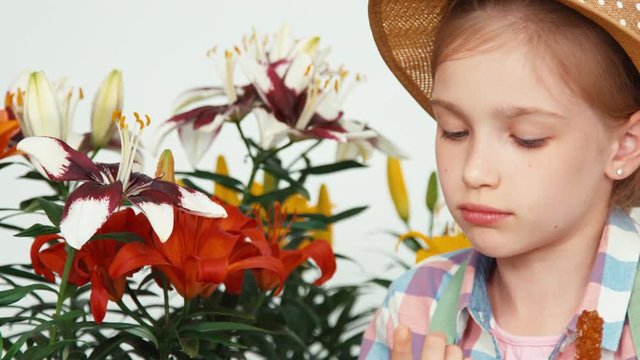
(608, 291)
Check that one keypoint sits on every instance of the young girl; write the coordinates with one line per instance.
(538, 142)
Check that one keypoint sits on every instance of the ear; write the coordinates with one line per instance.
(627, 154)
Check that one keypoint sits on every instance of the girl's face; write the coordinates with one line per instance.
(519, 142)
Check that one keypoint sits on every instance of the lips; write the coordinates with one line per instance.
(482, 215)
(482, 208)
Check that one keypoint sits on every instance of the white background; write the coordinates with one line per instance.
(160, 47)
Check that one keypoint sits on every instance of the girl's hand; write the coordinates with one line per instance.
(434, 348)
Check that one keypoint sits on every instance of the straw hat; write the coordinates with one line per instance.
(404, 31)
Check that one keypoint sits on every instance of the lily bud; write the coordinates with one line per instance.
(41, 113)
(324, 208)
(108, 100)
(165, 168)
(397, 188)
(224, 193)
(270, 182)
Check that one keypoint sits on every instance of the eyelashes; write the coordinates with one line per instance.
(525, 143)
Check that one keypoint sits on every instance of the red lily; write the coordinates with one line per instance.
(200, 252)
(318, 250)
(92, 261)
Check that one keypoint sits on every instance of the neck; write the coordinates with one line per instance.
(525, 289)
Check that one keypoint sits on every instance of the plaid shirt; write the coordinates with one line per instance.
(412, 299)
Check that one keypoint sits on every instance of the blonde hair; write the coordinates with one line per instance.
(591, 62)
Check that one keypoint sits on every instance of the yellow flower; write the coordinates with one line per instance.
(397, 188)
(224, 193)
(324, 208)
(443, 244)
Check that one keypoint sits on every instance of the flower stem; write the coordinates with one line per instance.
(165, 290)
(245, 140)
(303, 154)
(63, 288)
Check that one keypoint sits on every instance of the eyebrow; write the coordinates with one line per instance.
(507, 112)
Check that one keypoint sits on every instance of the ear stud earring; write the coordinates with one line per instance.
(619, 172)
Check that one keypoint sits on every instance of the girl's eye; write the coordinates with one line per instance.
(525, 143)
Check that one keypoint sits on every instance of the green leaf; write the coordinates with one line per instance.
(15, 348)
(347, 214)
(9, 270)
(277, 195)
(190, 346)
(220, 326)
(53, 210)
(41, 352)
(329, 168)
(4, 165)
(382, 282)
(225, 180)
(309, 225)
(432, 192)
(190, 184)
(278, 172)
(11, 227)
(119, 236)
(142, 332)
(108, 346)
(13, 295)
(38, 229)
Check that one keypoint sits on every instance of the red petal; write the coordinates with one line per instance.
(132, 257)
(322, 253)
(212, 270)
(99, 297)
(262, 262)
(55, 252)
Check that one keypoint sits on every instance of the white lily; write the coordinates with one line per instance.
(103, 186)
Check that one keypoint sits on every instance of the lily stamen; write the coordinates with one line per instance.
(129, 144)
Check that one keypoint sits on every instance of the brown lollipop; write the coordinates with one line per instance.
(588, 342)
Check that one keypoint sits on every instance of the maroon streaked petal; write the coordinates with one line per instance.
(326, 134)
(58, 160)
(87, 209)
(158, 208)
(190, 200)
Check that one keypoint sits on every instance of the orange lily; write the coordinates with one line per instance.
(91, 262)
(201, 252)
(8, 129)
(318, 250)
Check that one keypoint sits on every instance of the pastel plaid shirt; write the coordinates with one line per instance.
(413, 297)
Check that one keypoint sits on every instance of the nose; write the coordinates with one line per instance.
(481, 166)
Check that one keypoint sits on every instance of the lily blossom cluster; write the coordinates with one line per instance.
(292, 92)
(103, 186)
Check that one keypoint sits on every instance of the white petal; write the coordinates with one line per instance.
(297, 77)
(198, 203)
(46, 151)
(41, 109)
(271, 130)
(255, 72)
(160, 215)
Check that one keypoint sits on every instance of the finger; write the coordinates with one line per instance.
(453, 352)
(401, 344)
(434, 347)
